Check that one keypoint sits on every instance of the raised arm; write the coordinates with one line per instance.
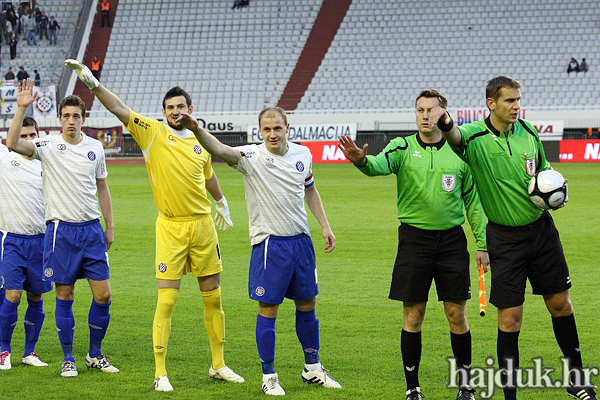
(108, 99)
(13, 138)
(106, 207)
(223, 152)
(448, 128)
(313, 200)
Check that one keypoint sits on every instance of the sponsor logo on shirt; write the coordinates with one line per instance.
(40, 144)
(141, 123)
(248, 154)
(60, 147)
(91, 155)
(15, 163)
(416, 154)
(162, 267)
(448, 182)
(300, 166)
(197, 149)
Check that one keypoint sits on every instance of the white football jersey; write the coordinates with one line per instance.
(21, 196)
(274, 187)
(69, 177)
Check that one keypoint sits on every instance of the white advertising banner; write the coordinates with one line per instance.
(310, 132)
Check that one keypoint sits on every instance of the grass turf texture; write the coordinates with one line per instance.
(360, 326)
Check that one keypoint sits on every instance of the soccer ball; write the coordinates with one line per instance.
(548, 189)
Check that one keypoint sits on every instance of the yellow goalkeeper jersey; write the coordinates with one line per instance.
(177, 165)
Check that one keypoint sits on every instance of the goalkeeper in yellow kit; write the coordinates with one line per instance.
(180, 173)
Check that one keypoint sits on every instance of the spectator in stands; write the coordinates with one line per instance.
(583, 67)
(37, 80)
(245, 3)
(44, 26)
(96, 67)
(11, 22)
(105, 9)
(2, 23)
(573, 66)
(13, 47)
(52, 27)
(22, 20)
(9, 76)
(22, 74)
(237, 4)
(30, 29)
(38, 16)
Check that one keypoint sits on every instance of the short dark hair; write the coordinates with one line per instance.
(493, 86)
(28, 121)
(175, 92)
(72, 100)
(433, 94)
(273, 110)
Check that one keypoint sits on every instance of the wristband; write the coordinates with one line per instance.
(444, 127)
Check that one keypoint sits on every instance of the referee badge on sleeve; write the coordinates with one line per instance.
(448, 182)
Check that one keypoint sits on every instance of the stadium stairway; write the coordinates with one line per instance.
(97, 46)
(326, 25)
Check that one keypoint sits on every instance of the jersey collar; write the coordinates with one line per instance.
(424, 145)
(183, 134)
(488, 123)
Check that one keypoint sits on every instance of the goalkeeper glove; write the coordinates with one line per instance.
(83, 73)
(222, 217)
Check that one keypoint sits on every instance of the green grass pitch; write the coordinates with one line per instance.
(360, 326)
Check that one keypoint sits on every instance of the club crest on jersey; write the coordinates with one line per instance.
(530, 166)
(197, 149)
(91, 155)
(162, 267)
(300, 166)
(48, 272)
(260, 291)
(448, 182)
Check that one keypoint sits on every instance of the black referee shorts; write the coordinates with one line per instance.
(532, 251)
(424, 255)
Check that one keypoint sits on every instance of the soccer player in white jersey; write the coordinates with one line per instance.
(22, 228)
(278, 180)
(180, 173)
(75, 246)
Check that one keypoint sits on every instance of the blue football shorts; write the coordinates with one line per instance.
(21, 263)
(75, 251)
(283, 266)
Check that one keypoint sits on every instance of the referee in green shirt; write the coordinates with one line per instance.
(504, 152)
(433, 184)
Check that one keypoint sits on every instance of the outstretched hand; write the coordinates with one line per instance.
(24, 96)
(437, 113)
(352, 152)
(187, 120)
(83, 72)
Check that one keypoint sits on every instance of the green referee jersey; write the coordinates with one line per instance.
(432, 184)
(502, 166)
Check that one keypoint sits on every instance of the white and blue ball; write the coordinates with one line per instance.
(548, 189)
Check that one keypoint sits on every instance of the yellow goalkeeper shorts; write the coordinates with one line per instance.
(186, 244)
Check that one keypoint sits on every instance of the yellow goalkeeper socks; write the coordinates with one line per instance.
(161, 328)
(214, 320)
